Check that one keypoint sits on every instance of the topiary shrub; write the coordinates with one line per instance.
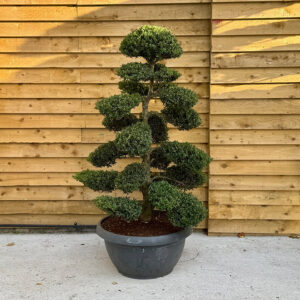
(165, 172)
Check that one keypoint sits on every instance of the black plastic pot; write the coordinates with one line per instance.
(144, 257)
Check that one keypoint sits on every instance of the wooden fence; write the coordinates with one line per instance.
(58, 57)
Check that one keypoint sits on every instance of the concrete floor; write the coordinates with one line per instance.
(76, 266)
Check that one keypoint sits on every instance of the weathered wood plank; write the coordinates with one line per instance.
(255, 137)
(101, 13)
(257, 152)
(91, 60)
(265, 107)
(264, 183)
(256, 11)
(86, 44)
(255, 167)
(256, 59)
(40, 135)
(254, 226)
(255, 91)
(254, 212)
(255, 121)
(254, 197)
(91, 75)
(255, 27)
(101, 28)
(255, 43)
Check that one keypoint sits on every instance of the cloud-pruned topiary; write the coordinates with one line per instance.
(166, 170)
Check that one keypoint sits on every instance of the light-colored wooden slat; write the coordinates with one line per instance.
(255, 137)
(116, 13)
(55, 150)
(196, 136)
(255, 10)
(101, 28)
(255, 167)
(255, 121)
(75, 90)
(256, 59)
(64, 121)
(258, 75)
(254, 226)
(48, 207)
(55, 219)
(255, 43)
(254, 212)
(266, 107)
(254, 197)
(83, 60)
(256, 91)
(37, 179)
(258, 152)
(255, 27)
(91, 75)
(86, 44)
(41, 193)
(264, 183)
(76, 106)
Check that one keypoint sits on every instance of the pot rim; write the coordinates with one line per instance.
(142, 241)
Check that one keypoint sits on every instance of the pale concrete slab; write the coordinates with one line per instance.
(76, 266)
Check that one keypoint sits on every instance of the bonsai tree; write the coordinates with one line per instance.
(167, 169)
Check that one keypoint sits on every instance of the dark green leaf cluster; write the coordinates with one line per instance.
(183, 210)
(185, 178)
(133, 87)
(153, 43)
(123, 207)
(158, 127)
(134, 140)
(105, 155)
(131, 178)
(118, 106)
(184, 119)
(158, 159)
(119, 124)
(165, 74)
(98, 180)
(135, 72)
(189, 212)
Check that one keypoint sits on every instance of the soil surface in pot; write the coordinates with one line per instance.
(159, 225)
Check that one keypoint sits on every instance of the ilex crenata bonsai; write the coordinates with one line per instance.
(166, 169)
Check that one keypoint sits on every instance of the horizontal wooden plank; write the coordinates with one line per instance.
(55, 219)
(54, 150)
(86, 44)
(83, 60)
(255, 59)
(254, 212)
(258, 75)
(254, 227)
(253, 10)
(255, 43)
(254, 167)
(255, 27)
(101, 28)
(254, 197)
(72, 106)
(91, 75)
(64, 121)
(255, 137)
(255, 91)
(257, 152)
(195, 136)
(41, 193)
(265, 107)
(264, 183)
(255, 121)
(113, 13)
(40, 135)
